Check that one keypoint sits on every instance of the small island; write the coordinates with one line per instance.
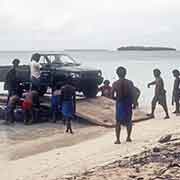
(144, 48)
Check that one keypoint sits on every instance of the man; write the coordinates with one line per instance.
(35, 72)
(12, 83)
(106, 89)
(122, 91)
(176, 90)
(68, 100)
(160, 94)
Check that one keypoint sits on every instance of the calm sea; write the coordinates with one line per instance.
(139, 64)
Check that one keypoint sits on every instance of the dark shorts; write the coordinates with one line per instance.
(124, 112)
(161, 99)
(55, 104)
(68, 109)
(35, 84)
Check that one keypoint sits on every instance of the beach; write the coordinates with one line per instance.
(45, 152)
(52, 154)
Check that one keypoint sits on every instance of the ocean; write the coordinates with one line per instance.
(138, 63)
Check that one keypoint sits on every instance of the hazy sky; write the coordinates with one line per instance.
(102, 24)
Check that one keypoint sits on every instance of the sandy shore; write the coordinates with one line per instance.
(51, 154)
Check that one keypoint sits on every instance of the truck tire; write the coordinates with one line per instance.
(43, 90)
(90, 92)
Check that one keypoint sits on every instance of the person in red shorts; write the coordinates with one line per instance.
(27, 108)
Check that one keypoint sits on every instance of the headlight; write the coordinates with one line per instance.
(75, 75)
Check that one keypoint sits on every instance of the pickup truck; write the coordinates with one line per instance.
(55, 70)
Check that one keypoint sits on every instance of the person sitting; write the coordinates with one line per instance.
(176, 90)
(27, 108)
(56, 103)
(10, 109)
(68, 99)
(106, 89)
(136, 95)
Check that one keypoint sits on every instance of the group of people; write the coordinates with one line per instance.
(126, 96)
(63, 100)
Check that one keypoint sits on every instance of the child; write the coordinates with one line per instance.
(68, 98)
(176, 90)
(12, 103)
(106, 89)
(56, 103)
(27, 108)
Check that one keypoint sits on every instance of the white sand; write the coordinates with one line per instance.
(59, 162)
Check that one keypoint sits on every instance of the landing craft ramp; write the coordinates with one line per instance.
(98, 111)
(101, 111)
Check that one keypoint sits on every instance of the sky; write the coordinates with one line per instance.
(88, 24)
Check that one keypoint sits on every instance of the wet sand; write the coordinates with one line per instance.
(22, 141)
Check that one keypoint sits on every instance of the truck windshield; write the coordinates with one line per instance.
(63, 59)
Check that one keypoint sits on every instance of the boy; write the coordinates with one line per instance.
(68, 98)
(176, 90)
(160, 94)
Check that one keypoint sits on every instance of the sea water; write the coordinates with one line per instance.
(139, 64)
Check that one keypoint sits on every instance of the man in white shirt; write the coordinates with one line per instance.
(35, 72)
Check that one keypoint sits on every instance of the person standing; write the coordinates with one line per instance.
(27, 108)
(11, 83)
(160, 94)
(122, 92)
(176, 90)
(35, 72)
(68, 100)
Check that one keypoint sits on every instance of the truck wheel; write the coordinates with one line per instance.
(90, 92)
(43, 90)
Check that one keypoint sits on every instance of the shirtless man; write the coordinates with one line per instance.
(160, 94)
(122, 92)
(176, 90)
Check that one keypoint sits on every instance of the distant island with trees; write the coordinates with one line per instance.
(144, 48)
